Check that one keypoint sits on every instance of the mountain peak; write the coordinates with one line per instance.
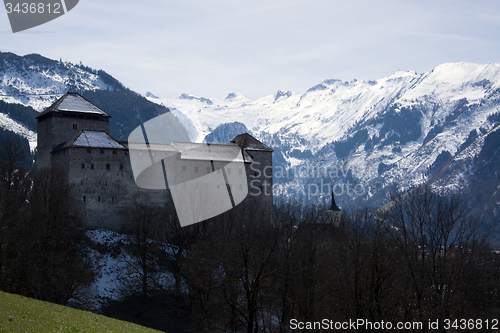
(192, 97)
(150, 95)
(282, 93)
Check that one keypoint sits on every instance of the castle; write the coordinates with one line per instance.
(74, 134)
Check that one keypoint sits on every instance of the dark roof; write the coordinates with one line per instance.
(248, 142)
(73, 102)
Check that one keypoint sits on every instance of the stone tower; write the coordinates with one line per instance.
(61, 121)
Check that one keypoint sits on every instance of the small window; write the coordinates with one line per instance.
(83, 165)
(114, 152)
(113, 199)
(81, 182)
(108, 166)
(99, 182)
(99, 199)
(121, 166)
(101, 151)
(75, 126)
(84, 198)
(92, 166)
(89, 150)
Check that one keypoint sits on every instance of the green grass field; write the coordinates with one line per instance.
(23, 314)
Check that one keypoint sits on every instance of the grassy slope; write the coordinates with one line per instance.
(23, 314)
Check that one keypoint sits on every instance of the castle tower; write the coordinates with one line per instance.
(61, 121)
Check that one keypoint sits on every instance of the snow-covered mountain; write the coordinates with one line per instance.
(375, 136)
(363, 139)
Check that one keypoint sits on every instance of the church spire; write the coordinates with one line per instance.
(334, 213)
(334, 206)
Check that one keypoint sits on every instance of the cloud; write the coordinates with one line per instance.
(210, 48)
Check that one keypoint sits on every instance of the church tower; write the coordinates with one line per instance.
(65, 118)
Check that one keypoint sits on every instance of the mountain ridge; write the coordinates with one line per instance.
(395, 132)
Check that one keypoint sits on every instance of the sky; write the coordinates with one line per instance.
(210, 48)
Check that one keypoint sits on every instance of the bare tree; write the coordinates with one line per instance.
(439, 242)
(48, 262)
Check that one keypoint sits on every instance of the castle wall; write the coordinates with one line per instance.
(260, 177)
(102, 185)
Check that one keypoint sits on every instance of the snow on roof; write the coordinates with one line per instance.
(73, 102)
(210, 152)
(94, 139)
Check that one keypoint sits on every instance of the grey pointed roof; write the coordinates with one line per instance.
(93, 139)
(73, 102)
(248, 142)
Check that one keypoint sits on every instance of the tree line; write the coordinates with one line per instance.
(253, 269)
(423, 259)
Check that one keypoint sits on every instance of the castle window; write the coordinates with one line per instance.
(75, 126)
(84, 198)
(89, 150)
(92, 166)
(81, 182)
(83, 165)
(108, 166)
(121, 166)
(112, 199)
(114, 152)
(99, 199)
(101, 151)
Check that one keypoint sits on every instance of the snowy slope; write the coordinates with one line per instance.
(7, 123)
(36, 81)
(394, 132)
(409, 118)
